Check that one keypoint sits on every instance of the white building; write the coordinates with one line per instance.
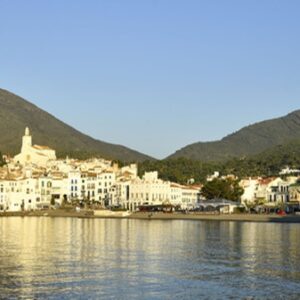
(190, 196)
(277, 191)
(148, 191)
(74, 185)
(213, 176)
(176, 194)
(186, 197)
(130, 171)
(288, 171)
(272, 190)
(250, 187)
(36, 180)
(18, 195)
(106, 189)
(38, 155)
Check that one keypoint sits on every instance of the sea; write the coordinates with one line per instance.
(77, 258)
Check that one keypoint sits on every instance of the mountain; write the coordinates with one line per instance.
(267, 163)
(17, 113)
(249, 140)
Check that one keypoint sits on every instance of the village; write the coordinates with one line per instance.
(36, 180)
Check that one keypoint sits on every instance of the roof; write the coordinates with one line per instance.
(191, 188)
(92, 174)
(175, 185)
(38, 147)
(266, 181)
(127, 173)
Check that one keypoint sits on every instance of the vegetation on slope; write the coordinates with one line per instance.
(249, 140)
(267, 163)
(2, 161)
(17, 113)
(179, 170)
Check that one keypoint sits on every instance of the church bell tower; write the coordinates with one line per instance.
(27, 140)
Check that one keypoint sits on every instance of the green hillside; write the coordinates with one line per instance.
(17, 113)
(249, 140)
(266, 163)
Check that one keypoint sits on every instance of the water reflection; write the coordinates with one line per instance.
(93, 258)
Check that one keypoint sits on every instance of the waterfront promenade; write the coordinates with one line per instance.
(219, 217)
(158, 216)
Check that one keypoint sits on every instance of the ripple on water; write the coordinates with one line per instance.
(121, 259)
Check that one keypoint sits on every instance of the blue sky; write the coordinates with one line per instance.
(153, 75)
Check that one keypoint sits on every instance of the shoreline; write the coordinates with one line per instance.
(261, 218)
(272, 218)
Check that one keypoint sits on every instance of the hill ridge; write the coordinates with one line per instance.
(249, 140)
(16, 113)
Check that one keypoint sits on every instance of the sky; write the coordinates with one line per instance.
(153, 75)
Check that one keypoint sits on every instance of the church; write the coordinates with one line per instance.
(38, 155)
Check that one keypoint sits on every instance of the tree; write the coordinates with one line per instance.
(2, 160)
(52, 202)
(222, 189)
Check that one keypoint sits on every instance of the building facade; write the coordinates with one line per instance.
(36, 154)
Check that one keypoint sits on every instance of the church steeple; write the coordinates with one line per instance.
(27, 140)
(27, 132)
